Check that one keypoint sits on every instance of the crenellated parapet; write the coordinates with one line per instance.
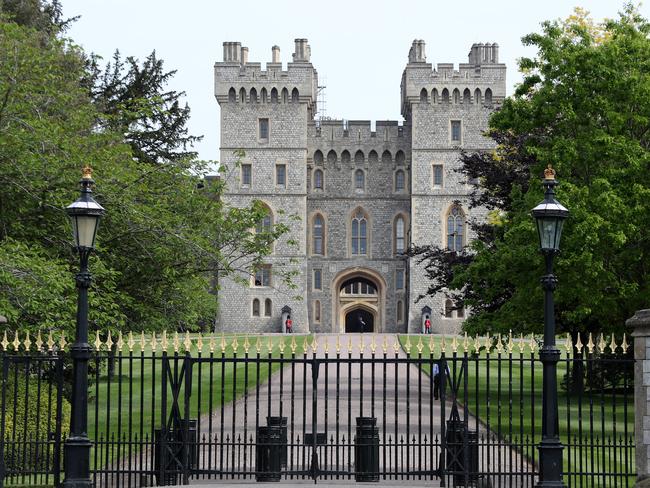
(236, 80)
(481, 82)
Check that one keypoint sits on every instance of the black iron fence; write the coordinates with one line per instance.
(455, 411)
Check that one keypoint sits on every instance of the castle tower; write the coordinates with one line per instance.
(448, 111)
(265, 113)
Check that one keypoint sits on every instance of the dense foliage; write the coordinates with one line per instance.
(584, 107)
(166, 233)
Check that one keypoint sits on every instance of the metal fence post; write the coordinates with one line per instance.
(640, 323)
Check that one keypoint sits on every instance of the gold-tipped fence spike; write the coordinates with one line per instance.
(143, 341)
(16, 342)
(466, 343)
(98, 341)
(305, 346)
(522, 343)
(579, 345)
(454, 345)
(187, 343)
(223, 344)
(131, 341)
(477, 345)
(511, 344)
(293, 345)
(199, 343)
(50, 341)
(258, 345)
(396, 346)
(247, 344)
(373, 345)
(349, 345)
(120, 341)
(164, 343)
(624, 344)
(62, 342)
(499, 345)
(269, 346)
(443, 345)
(281, 346)
(39, 340)
(327, 347)
(154, 342)
(314, 345)
(568, 343)
(384, 345)
(488, 343)
(27, 342)
(211, 344)
(532, 344)
(235, 345)
(5, 342)
(176, 342)
(432, 345)
(338, 343)
(420, 346)
(602, 344)
(407, 345)
(613, 345)
(362, 344)
(590, 344)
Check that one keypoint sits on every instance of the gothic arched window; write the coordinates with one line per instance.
(399, 180)
(359, 233)
(467, 96)
(242, 95)
(285, 95)
(318, 179)
(400, 240)
(253, 95)
(488, 96)
(449, 309)
(424, 97)
(318, 234)
(456, 95)
(445, 95)
(359, 179)
(477, 96)
(274, 95)
(455, 228)
(294, 95)
(256, 307)
(264, 96)
(232, 95)
(267, 307)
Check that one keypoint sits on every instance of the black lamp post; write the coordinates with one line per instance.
(85, 214)
(550, 216)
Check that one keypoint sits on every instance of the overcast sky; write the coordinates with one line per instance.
(358, 47)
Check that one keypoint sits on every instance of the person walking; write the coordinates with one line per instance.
(361, 323)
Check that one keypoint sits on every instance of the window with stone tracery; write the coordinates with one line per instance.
(359, 234)
(455, 228)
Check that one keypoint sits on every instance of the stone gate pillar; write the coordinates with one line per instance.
(640, 325)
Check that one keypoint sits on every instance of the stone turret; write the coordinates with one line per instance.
(417, 53)
(484, 54)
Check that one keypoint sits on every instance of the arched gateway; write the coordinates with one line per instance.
(358, 301)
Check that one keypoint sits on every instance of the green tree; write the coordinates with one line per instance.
(584, 108)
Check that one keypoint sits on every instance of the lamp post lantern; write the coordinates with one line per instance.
(550, 216)
(85, 214)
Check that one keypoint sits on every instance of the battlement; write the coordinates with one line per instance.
(479, 82)
(350, 131)
(235, 73)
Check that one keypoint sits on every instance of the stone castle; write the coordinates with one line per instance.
(363, 196)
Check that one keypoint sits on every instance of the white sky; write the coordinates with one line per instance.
(358, 47)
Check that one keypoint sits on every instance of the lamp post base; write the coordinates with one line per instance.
(76, 459)
(550, 464)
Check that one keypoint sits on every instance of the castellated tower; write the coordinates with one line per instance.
(363, 194)
(448, 111)
(265, 113)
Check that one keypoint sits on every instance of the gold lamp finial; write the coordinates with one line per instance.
(549, 173)
(87, 172)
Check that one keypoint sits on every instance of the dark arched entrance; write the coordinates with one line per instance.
(353, 324)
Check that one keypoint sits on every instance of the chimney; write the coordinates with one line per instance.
(275, 54)
(303, 51)
(417, 52)
(244, 55)
(231, 52)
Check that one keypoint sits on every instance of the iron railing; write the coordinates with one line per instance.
(285, 408)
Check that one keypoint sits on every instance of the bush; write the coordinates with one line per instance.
(30, 420)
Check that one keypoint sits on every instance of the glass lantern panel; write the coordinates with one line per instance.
(558, 233)
(84, 228)
(546, 228)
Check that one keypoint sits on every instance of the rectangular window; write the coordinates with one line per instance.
(264, 130)
(455, 131)
(246, 174)
(263, 276)
(318, 279)
(281, 174)
(399, 279)
(437, 175)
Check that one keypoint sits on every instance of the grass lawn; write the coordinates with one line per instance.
(505, 392)
(128, 406)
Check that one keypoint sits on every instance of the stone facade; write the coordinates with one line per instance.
(353, 188)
